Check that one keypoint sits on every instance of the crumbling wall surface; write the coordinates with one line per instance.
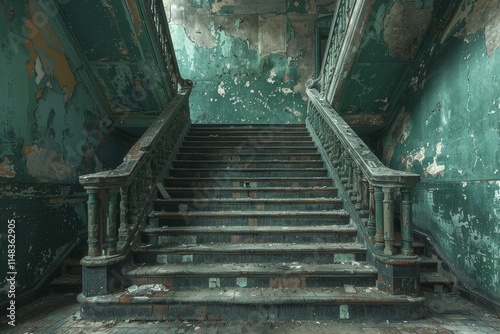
(50, 133)
(449, 132)
(249, 60)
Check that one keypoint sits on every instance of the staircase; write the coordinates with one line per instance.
(252, 229)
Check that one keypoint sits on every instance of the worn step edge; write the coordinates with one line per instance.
(236, 189)
(330, 229)
(246, 214)
(255, 296)
(248, 169)
(361, 269)
(293, 162)
(262, 248)
(253, 179)
(318, 200)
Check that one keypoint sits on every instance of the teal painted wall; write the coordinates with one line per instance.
(51, 132)
(248, 65)
(449, 132)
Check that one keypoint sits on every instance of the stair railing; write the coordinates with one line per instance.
(120, 200)
(370, 186)
(158, 23)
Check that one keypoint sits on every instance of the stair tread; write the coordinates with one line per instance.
(158, 294)
(254, 269)
(254, 248)
(249, 162)
(434, 278)
(240, 214)
(251, 200)
(251, 229)
(249, 169)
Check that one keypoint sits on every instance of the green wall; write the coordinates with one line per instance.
(249, 64)
(449, 132)
(50, 133)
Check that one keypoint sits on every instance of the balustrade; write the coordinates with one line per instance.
(119, 200)
(370, 186)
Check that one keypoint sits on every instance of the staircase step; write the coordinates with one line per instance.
(238, 136)
(251, 275)
(248, 234)
(259, 164)
(245, 156)
(248, 253)
(435, 282)
(246, 182)
(247, 204)
(267, 192)
(251, 218)
(251, 172)
(247, 149)
(257, 304)
(238, 144)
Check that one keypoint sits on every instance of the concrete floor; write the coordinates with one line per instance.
(445, 314)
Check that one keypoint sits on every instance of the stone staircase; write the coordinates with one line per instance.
(252, 229)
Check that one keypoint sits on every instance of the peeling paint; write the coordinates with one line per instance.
(478, 15)
(47, 165)
(404, 29)
(7, 168)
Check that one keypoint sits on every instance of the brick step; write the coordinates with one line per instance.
(246, 182)
(252, 156)
(251, 253)
(251, 172)
(231, 150)
(247, 204)
(283, 164)
(264, 192)
(253, 275)
(248, 234)
(251, 218)
(258, 304)
(248, 143)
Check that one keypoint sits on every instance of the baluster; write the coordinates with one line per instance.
(350, 173)
(371, 212)
(124, 231)
(407, 222)
(358, 201)
(93, 221)
(388, 221)
(111, 223)
(379, 219)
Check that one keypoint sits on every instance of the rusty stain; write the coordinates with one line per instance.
(404, 29)
(7, 168)
(218, 4)
(136, 17)
(62, 70)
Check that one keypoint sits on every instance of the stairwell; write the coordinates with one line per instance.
(252, 229)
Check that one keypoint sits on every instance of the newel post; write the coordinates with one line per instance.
(93, 221)
(407, 222)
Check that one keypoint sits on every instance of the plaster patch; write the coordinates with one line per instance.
(286, 91)
(434, 169)
(439, 148)
(47, 165)
(271, 77)
(40, 73)
(420, 156)
(7, 168)
(404, 29)
(221, 90)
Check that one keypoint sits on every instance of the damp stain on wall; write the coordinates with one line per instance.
(247, 68)
(453, 144)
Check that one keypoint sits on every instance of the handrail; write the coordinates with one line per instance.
(125, 195)
(159, 23)
(369, 184)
